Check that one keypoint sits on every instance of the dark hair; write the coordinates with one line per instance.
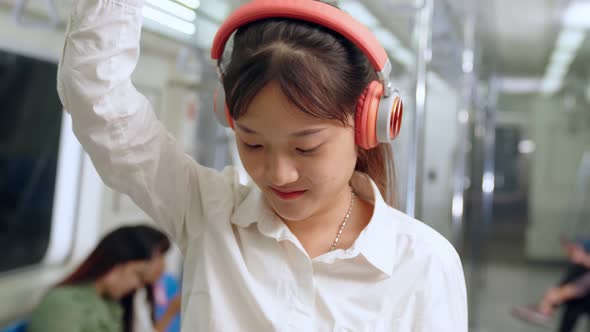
(123, 245)
(319, 71)
(159, 243)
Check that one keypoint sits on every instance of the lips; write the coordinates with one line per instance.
(288, 194)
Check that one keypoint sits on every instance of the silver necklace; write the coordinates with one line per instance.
(344, 221)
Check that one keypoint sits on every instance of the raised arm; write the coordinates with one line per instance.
(130, 148)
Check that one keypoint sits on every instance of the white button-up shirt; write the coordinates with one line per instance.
(244, 270)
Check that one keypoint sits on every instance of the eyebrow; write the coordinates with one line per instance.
(302, 133)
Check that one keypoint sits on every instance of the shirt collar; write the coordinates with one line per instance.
(376, 242)
(254, 209)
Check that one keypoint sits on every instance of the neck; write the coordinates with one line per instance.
(328, 219)
(318, 232)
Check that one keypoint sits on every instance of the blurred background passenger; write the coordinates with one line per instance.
(95, 297)
(572, 293)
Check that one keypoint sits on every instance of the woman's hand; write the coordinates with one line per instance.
(171, 311)
(175, 303)
(577, 254)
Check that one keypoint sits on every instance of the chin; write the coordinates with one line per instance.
(294, 216)
(291, 211)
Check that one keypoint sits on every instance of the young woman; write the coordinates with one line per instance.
(93, 297)
(315, 244)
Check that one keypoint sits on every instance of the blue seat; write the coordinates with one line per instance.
(170, 286)
(20, 326)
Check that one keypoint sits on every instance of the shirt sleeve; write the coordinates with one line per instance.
(444, 295)
(131, 150)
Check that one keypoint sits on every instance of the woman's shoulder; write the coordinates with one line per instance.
(75, 308)
(69, 295)
(61, 304)
(419, 240)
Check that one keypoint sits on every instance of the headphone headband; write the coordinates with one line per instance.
(313, 12)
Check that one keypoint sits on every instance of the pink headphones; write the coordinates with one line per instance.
(379, 109)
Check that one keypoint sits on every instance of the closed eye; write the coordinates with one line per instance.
(253, 146)
(308, 151)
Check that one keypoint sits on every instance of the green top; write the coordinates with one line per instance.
(76, 309)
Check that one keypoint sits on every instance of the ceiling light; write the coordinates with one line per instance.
(168, 20)
(577, 15)
(174, 9)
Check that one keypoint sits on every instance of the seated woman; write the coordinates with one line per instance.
(91, 298)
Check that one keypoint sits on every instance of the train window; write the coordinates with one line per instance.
(30, 123)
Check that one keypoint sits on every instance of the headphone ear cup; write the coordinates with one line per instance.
(366, 116)
(220, 108)
(398, 112)
(389, 118)
(358, 120)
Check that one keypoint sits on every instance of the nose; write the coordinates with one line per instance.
(281, 170)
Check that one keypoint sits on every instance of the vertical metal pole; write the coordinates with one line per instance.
(422, 34)
(485, 135)
(463, 117)
(488, 177)
(460, 171)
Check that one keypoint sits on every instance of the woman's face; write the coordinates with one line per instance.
(301, 163)
(125, 278)
(156, 268)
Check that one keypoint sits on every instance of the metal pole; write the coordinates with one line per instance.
(488, 178)
(463, 116)
(485, 133)
(422, 34)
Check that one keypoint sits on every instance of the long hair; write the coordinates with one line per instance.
(123, 245)
(120, 246)
(319, 71)
(158, 243)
